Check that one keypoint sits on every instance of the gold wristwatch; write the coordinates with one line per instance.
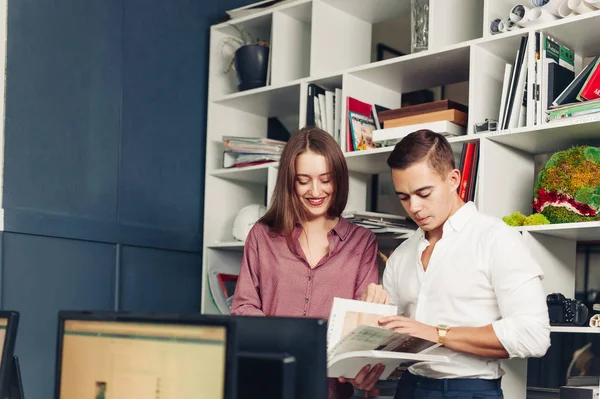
(442, 331)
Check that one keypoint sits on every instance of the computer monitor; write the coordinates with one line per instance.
(122, 355)
(304, 339)
(11, 386)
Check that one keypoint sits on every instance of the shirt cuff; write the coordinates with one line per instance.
(522, 338)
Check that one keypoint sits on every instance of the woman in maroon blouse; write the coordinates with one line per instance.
(302, 253)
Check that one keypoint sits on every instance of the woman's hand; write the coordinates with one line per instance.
(366, 378)
(375, 294)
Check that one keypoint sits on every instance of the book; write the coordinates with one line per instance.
(355, 339)
(445, 128)
(451, 115)
(419, 109)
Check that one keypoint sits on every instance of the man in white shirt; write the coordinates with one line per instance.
(464, 280)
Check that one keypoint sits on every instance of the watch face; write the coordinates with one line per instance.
(443, 327)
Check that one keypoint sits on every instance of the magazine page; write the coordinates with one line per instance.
(348, 314)
(376, 338)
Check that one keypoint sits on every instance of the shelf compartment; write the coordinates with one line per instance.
(222, 50)
(553, 136)
(362, 25)
(269, 101)
(579, 231)
(568, 31)
(256, 174)
(419, 71)
(486, 83)
(290, 49)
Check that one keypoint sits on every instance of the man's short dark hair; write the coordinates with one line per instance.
(423, 145)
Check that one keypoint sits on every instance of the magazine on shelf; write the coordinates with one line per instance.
(355, 339)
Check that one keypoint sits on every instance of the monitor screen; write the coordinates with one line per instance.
(115, 359)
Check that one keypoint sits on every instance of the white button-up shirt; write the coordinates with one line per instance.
(479, 273)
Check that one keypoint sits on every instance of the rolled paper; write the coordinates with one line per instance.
(593, 3)
(580, 6)
(539, 15)
(550, 6)
(494, 26)
(518, 14)
(564, 10)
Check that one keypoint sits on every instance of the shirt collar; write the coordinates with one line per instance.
(341, 229)
(462, 216)
(457, 221)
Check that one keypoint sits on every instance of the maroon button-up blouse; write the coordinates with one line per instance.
(277, 281)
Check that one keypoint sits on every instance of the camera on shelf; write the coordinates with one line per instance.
(566, 312)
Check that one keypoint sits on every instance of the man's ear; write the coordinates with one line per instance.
(454, 178)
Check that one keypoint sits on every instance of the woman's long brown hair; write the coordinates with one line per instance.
(286, 209)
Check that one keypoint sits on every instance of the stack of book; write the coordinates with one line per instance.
(383, 223)
(446, 117)
(247, 151)
(323, 109)
(580, 97)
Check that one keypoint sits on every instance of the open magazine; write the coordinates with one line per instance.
(354, 339)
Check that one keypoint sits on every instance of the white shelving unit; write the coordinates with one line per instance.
(331, 43)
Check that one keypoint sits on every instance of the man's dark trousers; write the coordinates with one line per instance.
(416, 387)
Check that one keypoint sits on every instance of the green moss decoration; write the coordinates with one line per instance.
(567, 189)
(535, 219)
(514, 219)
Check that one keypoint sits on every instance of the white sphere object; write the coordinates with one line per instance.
(245, 219)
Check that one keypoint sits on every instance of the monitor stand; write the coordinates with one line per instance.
(14, 389)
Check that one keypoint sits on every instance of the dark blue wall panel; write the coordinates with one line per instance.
(163, 125)
(42, 275)
(153, 280)
(63, 91)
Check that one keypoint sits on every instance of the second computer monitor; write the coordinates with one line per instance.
(304, 339)
(103, 355)
(10, 378)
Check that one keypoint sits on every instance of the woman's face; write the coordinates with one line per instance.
(313, 183)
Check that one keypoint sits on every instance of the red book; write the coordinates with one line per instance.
(591, 89)
(466, 170)
(354, 105)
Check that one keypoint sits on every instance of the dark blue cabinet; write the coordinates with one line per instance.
(103, 163)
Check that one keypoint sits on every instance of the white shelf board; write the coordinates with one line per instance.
(259, 17)
(375, 161)
(578, 231)
(574, 329)
(228, 245)
(551, 137)
(267, 101)
(371, 11)
(419, 71)
(251, 174)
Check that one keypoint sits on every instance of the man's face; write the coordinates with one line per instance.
(427, 197)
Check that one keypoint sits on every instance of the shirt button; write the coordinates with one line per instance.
(308, 278)
(306, 300)
(304, 314)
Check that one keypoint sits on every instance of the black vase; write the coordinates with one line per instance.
(251, 64)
